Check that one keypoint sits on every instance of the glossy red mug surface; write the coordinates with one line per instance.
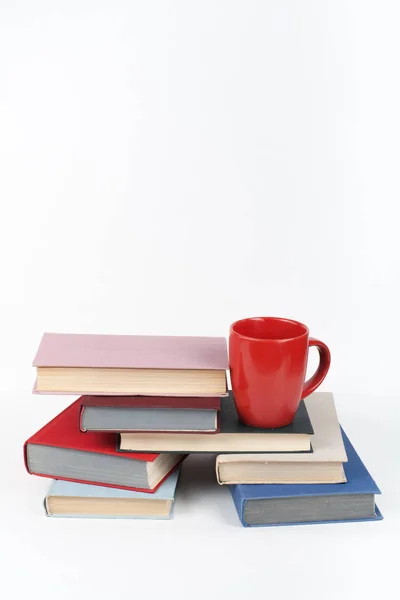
(268, 362)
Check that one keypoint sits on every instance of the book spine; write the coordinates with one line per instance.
(82, 429)
(25, 451)
(238, 501)
(217, 471)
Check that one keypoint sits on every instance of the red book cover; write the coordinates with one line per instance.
(202, 403)
(63, 432)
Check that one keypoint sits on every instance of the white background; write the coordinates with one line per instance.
(168, 167)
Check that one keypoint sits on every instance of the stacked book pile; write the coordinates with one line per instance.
(328, 484)
(146, 402)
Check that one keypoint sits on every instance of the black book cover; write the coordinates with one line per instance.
(230, 423)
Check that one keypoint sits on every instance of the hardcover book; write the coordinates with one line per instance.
(323, 465)
(131, 365)
(60, 451)
(263, 505)
(150, 413)
(234, 436)
(68, 499)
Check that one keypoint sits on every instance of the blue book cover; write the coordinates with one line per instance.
(359, 481)
(70, 489)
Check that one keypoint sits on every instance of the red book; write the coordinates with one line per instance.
(150, 414)
(60, 451)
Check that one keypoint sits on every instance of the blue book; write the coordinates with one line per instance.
(69, 499)
(295, 504)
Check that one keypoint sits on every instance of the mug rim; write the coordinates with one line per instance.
(305, 329)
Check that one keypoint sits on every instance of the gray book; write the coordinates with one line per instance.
(148, 414)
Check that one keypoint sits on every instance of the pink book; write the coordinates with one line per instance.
(131, 352)
(131, 365)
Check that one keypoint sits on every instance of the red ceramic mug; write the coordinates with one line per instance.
(268, 362)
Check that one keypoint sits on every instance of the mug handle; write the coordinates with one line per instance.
(324, 363)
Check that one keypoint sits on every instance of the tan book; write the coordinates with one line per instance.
(323, 465)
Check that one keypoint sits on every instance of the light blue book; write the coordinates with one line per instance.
(69, 499)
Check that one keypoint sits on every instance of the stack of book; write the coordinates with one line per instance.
(328, 484)
(142, 384)
(146, 402)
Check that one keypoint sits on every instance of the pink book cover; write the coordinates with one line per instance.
(131, 352)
